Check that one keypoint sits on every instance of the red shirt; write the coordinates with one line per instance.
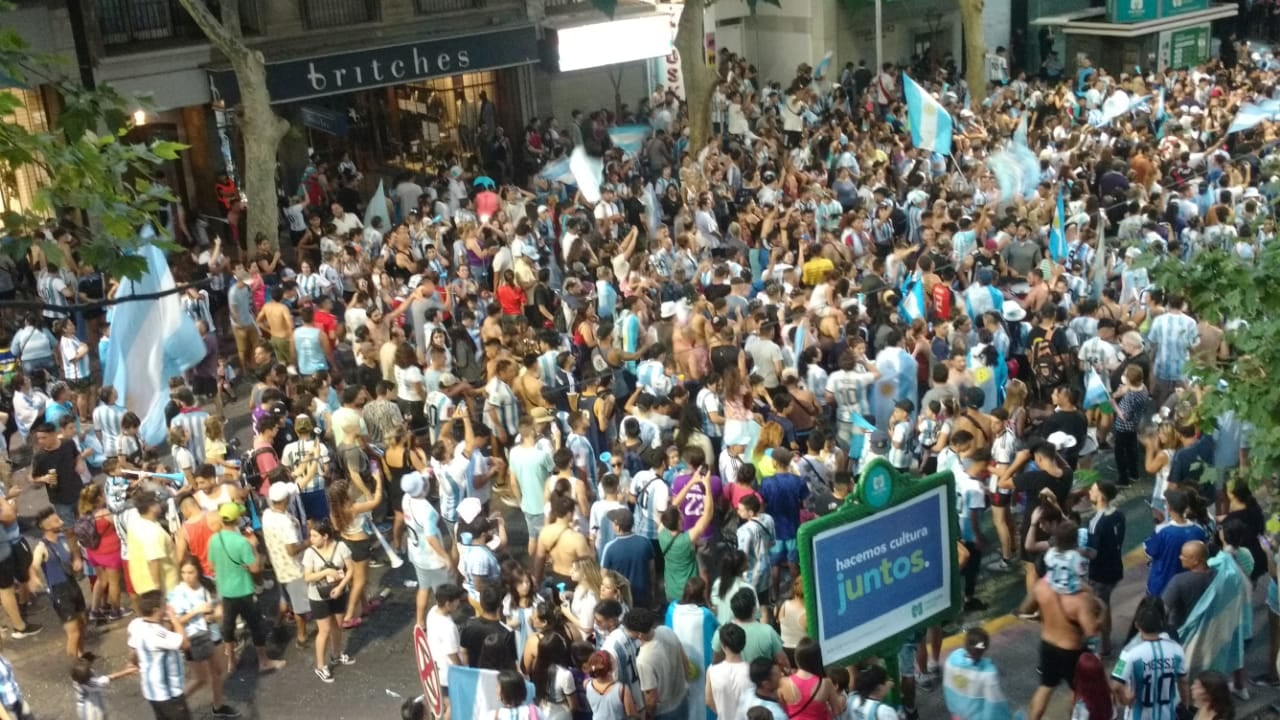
(327, 323)
(512, 299)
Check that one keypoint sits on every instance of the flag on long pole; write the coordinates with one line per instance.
(151, 341)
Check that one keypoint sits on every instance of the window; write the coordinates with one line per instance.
(338, 13)
(427, 7)
(18, 188)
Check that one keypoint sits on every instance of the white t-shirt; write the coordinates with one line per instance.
(424, 521)
(346, 224)
(407, 379)
(280, 530)
(729, 682)
(314, 560)
(443, 640)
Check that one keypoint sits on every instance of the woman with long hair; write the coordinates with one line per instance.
(689, 431)
(615, 586)
(520, 601)
(694, 623)
(105, 558)
(1244, 507)
(762, 454)
(1160, 446)
(553, 686)
(730, 580)
(579, 606)
(401, 458)
(607, 698)
(807, 694)
(1091, 694)
(329, 571)
(546, 620)
(1211, 695)
(511, 297)
(200, 613)
(349, 517)
(792, 619)
(411, 389)
(871, 685)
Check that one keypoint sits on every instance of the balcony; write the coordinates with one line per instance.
(320, 14)
(159, 23)
(430, 7)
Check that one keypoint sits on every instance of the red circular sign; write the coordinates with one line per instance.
(428, 673)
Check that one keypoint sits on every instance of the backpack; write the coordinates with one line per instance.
(1045, 364)
(250, 475)
(86, 532)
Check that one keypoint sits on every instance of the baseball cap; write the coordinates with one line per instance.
(279, 492)
(231, 512)
(413, 484)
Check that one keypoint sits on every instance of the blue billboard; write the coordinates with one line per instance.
(875, 574)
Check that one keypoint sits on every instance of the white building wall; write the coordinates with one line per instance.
(588, 90)
(997, 25)
(902, 23)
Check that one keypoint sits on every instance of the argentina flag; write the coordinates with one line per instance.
(972, 689)
(151, 341)
(1058, 236)
(557, 171)
(474, 693)
(629, 138)
(930, 124)
(912, 305)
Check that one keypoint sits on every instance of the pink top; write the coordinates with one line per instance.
(486, 204)
(808, 707)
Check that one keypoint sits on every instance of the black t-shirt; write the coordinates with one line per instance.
(474, 632)
(1030, 483)
(1141, 360)
(724, 357)
(1106, 539)
(61, 462)
(1073, 423)
(368, 377)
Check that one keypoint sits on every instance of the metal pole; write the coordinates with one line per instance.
(879, 36)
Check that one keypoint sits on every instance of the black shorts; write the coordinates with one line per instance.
(361, 550)
(1058, 665)
(1002, 498)
(172, 709)
(17, 567)
(67, 600)
(203, 647)
(331, 607)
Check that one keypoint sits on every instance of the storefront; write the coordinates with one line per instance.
(31, 114)
(410, 104)
(1142, 33)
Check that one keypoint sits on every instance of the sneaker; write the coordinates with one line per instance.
(376, 563)
(925, 682)
(324, 675)
(343, 659)
(122, 613)
(1266, 681)
(1029, 616)
(224, 711)
(1241, 693)
(26, 632)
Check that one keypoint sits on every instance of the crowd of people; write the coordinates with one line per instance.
(659, 388)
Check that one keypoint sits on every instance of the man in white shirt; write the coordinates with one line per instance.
(443, 639)
(608, 213)
(343, 221)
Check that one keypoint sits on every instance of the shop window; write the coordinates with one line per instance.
(18, 185)
(338, 13)
(441, 116)
(427, 7)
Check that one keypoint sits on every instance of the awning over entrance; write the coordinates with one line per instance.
(339, 73)
(1092, 22)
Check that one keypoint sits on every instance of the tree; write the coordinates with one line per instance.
(261, 129)
(975, 49)
(1220, 287)
(699, 79)
(83, 161)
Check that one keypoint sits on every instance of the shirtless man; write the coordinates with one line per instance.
(277, 323)
(1066, 621)
(561, 543)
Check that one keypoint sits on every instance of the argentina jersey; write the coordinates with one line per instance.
(1152, 670)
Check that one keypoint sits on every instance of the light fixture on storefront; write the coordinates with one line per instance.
(139, 117)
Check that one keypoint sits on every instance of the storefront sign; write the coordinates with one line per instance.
(1171, 8)
(291, 80)
(1187, 47)
(1132, 11)
(665, 70)
(324, 120)
(878, 569)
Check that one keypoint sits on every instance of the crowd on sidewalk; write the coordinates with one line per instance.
(662, 386)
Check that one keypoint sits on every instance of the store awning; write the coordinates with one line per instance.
(1091, 21)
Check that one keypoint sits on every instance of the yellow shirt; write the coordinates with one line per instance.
(148, 541)
(815, 271)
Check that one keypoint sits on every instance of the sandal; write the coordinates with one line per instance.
(351, 623)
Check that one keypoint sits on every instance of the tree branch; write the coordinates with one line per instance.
(226, 40)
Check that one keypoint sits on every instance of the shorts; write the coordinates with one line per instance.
(784, 551)
(203, 646)
(171, 709)
(1102, 590)
(17, 567)
(332, 607)
(1058, 665)
(246, 339)
(296, 592)
(67, 601)
(764, 597)
(1002, 498)
(80, 386)
(1106, 408)
(431, 579)
(361, 550)
(535, 523)
(283, 349)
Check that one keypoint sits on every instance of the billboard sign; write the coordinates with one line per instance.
(877, 572)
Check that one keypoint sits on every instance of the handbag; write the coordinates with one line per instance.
(202, 646)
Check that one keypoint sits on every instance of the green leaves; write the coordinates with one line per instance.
(1220, 287)
(83, 161)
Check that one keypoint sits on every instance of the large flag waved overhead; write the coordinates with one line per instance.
(151, 341)
(930, 123)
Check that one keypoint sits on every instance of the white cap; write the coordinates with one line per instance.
(280, 492)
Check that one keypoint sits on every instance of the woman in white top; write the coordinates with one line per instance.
(183, 461)
(328, 570)
(553, 686)
(1160, 447)
(201, 616)
(411, 389)
(579, 608)
(347, 511)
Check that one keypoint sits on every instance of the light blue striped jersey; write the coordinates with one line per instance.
(193, 423)
(1151, 669)
(106, 420)
(160, 663)
(50, 287)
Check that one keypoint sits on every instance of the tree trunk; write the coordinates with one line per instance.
(699, 80)
(975, 49)
(261, 129)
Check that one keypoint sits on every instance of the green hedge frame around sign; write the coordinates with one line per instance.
(905, 487)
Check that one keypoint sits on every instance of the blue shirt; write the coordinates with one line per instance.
(784, 495)
(631, 556)
(1164, 548)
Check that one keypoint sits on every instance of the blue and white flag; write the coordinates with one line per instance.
(475, 692)
(557, 171)
(1212, 635)
(378, 208)
(695, 625)
(629, 138)
(820, 70)
(912, 305)
(588, 173)
(1020, 133)
(972, 689)
(1057, 235)
(930, 123)
(1119, 104)
(1251, 115)
(151, 341)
